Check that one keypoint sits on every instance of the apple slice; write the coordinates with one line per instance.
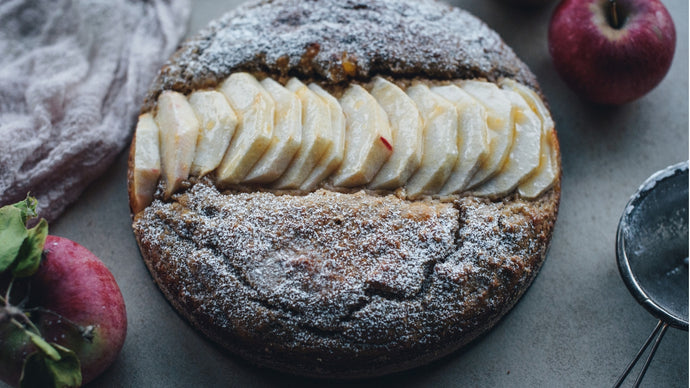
(287, 134)
(179, 130)
(500, 124)
(524, 153)
(147, 162)
(473, 145)
(317, 136)
(332, 158)
(255, 109)
(545, 175)
(406, 128)
(367, 138)
(217, 125)
(440, 141)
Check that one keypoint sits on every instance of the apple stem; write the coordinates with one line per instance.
(614, 13)
(85, 332)
(10, 310)
(18, 324)
(7, 293)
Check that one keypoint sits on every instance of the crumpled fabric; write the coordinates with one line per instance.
(73, 74)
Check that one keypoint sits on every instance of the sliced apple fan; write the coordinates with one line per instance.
(430, 140)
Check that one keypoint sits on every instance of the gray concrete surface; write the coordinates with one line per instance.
(576, 327)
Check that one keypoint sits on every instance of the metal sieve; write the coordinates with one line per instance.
(652, 254)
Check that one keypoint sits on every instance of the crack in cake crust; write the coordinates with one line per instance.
(304, 251)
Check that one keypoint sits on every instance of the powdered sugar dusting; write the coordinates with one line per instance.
(332, 284)
(323, 39)
(342, 274)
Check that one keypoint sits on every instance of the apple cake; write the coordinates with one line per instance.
(344, 189)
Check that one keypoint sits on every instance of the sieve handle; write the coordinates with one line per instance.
(660, 329)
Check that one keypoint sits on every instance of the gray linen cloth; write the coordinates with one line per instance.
(73, 74)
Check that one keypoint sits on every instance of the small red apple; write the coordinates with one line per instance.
(74, 282)
(66, 313)
(612, 51)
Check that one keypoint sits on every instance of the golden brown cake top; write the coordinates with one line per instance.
(334, 41)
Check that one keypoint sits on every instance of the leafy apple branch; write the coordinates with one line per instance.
(21, 251)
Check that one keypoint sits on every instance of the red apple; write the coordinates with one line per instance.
(74, 301)
(612, 52)
(75, 283)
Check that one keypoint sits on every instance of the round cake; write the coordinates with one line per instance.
(344, 189)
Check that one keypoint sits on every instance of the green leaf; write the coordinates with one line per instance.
(32, 250)
(44, 346)
(68, 370)
(40, 371)
(12, 234)
(27, 207)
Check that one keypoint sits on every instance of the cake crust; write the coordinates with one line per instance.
(335, 42)
(342, 285)
(345, 284)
